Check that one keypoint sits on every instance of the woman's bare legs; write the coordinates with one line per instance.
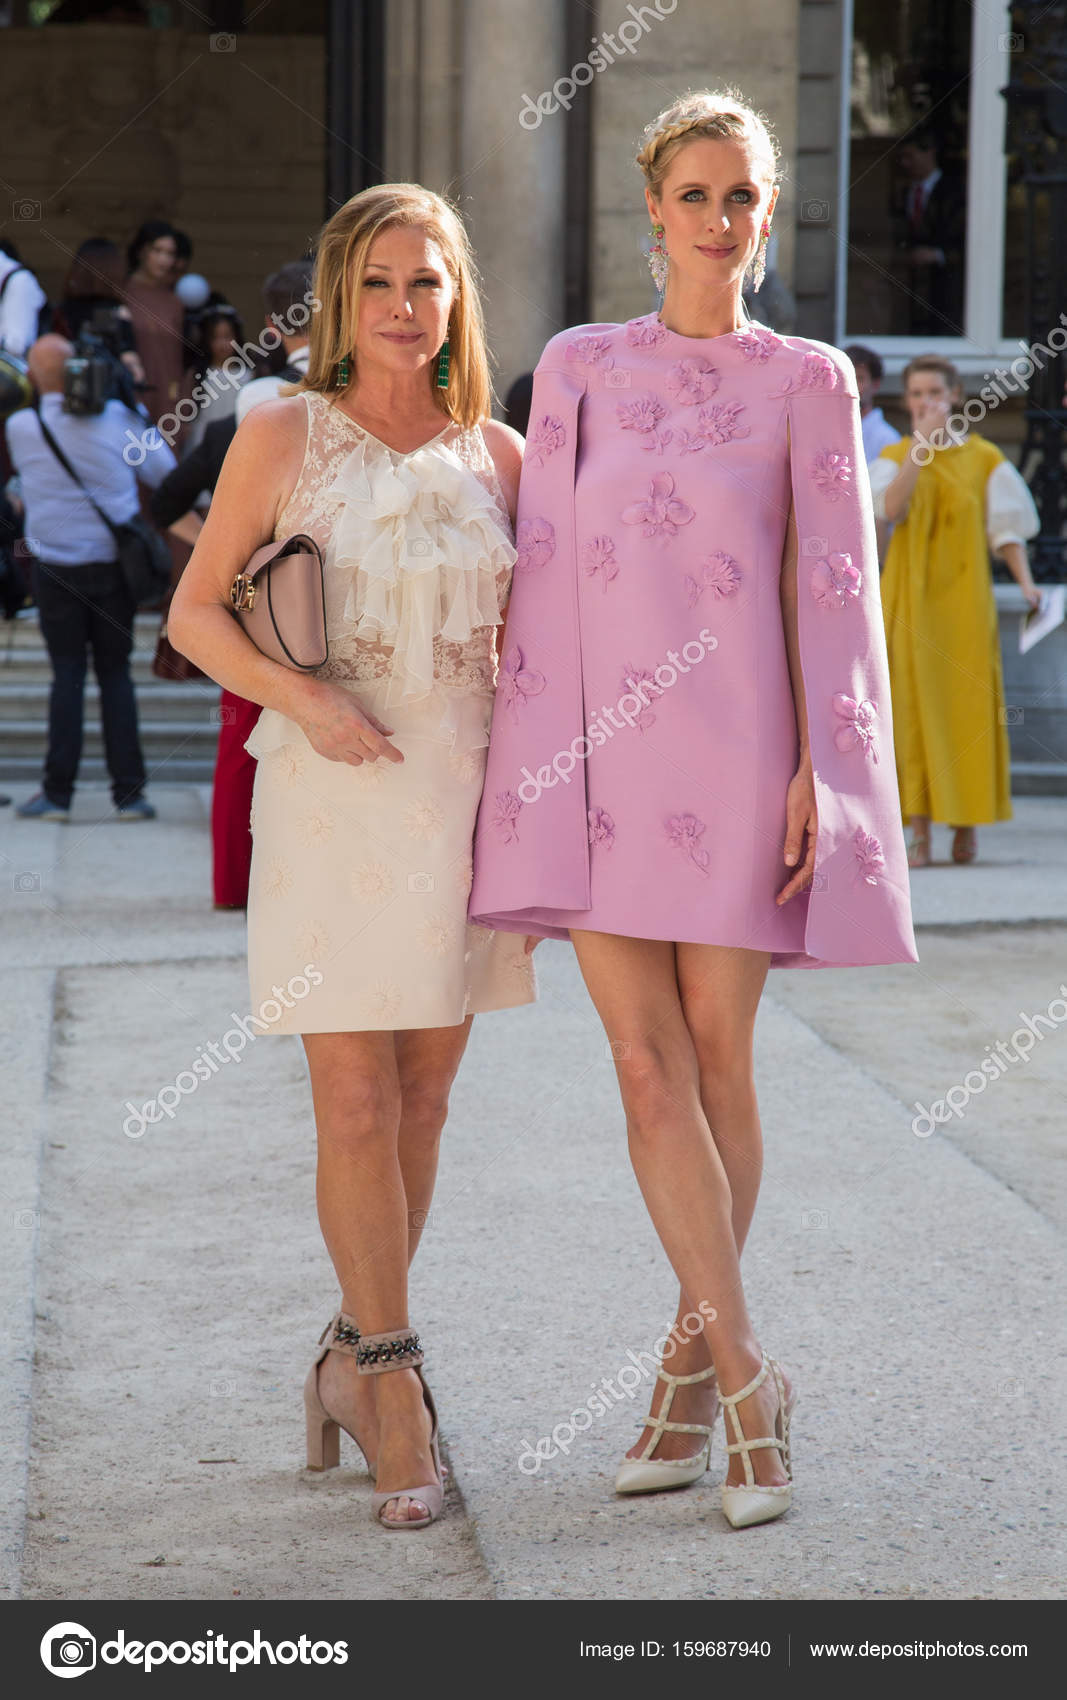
(380, 1103)
(719, 988)
(638, 988)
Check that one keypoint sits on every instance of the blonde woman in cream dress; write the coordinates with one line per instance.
(370, 771)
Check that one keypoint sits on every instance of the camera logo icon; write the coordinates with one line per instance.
(68, 1649)
(223, 44)
(619, 379)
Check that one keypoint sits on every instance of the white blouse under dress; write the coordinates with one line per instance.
(1010, 514)
(364, 872)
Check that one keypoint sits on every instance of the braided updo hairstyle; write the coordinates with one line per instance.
(722, 114)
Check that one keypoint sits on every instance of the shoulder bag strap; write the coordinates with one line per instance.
(65, 464)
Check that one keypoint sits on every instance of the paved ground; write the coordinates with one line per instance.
(163, 1293)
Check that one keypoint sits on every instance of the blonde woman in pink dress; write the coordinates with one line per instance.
(691, 767)
(370, 771)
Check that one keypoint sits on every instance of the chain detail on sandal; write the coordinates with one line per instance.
(377, 1354)
(652, 1475)
(752, 1502)
(323, 1430)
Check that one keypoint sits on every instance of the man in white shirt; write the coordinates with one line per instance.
(83, 601)
(21, 300)
(877, 431)
(285, 303)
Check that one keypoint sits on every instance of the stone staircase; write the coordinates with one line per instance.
(179, 723)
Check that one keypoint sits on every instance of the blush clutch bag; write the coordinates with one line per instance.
(280, 602)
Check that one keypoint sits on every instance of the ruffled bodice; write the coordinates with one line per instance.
(418, 552)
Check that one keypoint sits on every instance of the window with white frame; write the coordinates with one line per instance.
(935, 210)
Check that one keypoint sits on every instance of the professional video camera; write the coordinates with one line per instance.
(94, 374)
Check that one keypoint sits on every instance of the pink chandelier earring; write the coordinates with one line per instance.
(658, 259)
(759, 269)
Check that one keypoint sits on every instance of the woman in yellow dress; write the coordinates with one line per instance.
(952, 498)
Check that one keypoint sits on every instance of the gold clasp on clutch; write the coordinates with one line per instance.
(243, 593)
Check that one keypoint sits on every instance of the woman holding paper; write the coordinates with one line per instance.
(954, 498)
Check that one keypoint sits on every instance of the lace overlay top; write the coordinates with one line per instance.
(417, 549)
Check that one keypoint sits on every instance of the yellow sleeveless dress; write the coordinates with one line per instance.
(951, 740)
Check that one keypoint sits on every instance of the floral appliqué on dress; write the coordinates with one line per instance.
(831, 473)
(507, 814)
(817, 372)
(720, 574)
(833, 580)
(857, 728)
(868, 855)
(692, 380)
(591, 351)
(758, 344)
(632, 679)
(548, 435)
(601, 828)
(661, 512)
(644, 333)
(516, 683)
(685, 833)
(645, 414)
(720, 422)
(598, 556)
(535, 541)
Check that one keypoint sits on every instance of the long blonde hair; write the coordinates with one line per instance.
(723, 114)
(340, 260)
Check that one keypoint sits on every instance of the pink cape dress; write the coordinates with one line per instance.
(644, 730)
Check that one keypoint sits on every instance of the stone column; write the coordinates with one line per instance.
(458, 75)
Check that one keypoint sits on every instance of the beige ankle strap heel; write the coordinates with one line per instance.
(751, 1502)
(377, 1354)
(324, 1431)
(652, 1475)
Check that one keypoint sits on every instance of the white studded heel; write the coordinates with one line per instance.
(750, 1502)
(653, 1475)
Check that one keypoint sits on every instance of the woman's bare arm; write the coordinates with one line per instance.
(261, 468)
(506, 447)
(800, 796)
(788, 592)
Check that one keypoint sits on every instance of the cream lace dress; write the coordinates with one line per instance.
(364, 872)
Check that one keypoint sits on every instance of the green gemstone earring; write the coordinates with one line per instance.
(343, 372)
(442, 366)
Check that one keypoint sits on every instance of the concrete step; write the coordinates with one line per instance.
(161, 740)
(26, 631)
(20, 776)
(29, 664)
(157, 700)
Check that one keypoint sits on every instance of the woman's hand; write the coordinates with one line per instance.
(800, 818)
(336, 727)
(532, 943)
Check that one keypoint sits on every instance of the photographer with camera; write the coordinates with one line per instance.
(92, 302)
(84, 597)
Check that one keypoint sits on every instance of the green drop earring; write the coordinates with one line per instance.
(343, 372)
(443, 362)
